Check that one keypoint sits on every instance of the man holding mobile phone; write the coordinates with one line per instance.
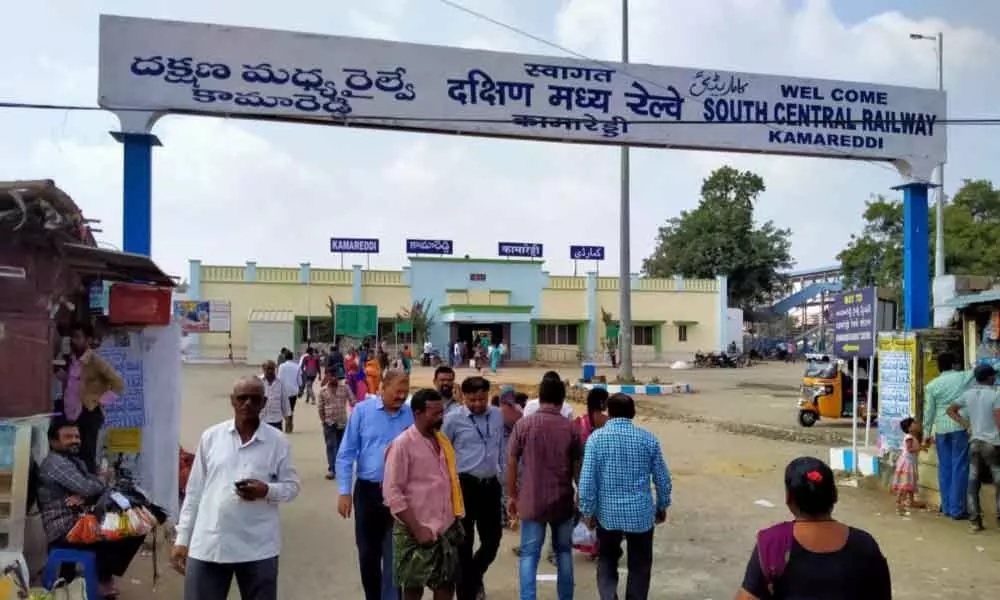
(223, 531)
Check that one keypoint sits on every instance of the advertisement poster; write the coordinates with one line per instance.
(124, 353)
(896, 386)
(203, 316)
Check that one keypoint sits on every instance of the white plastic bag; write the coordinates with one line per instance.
(584, 536)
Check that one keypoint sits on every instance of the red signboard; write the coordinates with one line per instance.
(136, 304)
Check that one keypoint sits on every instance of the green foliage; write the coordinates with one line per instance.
(971, 238)
(422, 317)
(720, 237)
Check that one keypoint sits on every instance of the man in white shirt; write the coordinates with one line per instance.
(229, 524)
(277, 406)
(532, 407)
(291, 380)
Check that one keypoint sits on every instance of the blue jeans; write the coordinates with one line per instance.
(532, 540)
(953, 471)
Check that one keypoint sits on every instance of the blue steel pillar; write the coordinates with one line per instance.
(722, 311)
(356, 293)
(137, 180)
(593, 316)
(194, 293)
(916, 257)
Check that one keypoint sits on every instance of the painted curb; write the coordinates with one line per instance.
(842, 459)
(642, 390)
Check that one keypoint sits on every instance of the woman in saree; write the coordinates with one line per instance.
(494, 354)
(373, 374)
(351, 370)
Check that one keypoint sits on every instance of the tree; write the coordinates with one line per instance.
(719, 237)
(971, 237)
(420, 316)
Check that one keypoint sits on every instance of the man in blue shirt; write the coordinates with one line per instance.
(950, 441)
(619, 461)
(375, 422)
(476, 430)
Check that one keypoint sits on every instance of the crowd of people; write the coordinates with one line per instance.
(432, 480)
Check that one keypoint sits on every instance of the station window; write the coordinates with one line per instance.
(643, 335)
(682, 333)
(557, 335)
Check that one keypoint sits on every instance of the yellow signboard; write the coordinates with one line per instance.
(127, 441)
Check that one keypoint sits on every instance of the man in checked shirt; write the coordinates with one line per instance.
(334, 398)
(66, 487)
(619, 463)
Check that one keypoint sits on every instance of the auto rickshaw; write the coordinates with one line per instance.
(827, 393)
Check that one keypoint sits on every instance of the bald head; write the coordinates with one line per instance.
(270, 370)
(394, 375)
(247, 398)
(395, 388)
(248, 383)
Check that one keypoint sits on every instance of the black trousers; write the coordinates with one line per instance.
(372, 533)
(89, 423)
(482, 514)
(256, 580)
(640, 563)
(113, 557)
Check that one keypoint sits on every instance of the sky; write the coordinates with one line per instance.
(228, 191)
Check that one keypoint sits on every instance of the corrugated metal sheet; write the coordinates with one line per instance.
(986, 297)
(271, 316)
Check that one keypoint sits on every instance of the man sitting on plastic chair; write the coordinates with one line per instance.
(65, 488)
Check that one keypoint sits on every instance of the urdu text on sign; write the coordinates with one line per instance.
(586, 252)
(165, 66)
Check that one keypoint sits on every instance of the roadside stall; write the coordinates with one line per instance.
(54, 276)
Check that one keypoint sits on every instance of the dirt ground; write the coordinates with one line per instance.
(726, 446)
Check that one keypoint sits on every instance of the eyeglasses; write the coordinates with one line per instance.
(248, 398)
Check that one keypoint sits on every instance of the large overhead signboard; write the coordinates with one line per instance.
(168, 66)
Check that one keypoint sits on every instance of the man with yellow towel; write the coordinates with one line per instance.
(422, 492)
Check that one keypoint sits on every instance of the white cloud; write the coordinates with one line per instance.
(228, 191)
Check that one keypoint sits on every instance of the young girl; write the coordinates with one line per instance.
(904, 479)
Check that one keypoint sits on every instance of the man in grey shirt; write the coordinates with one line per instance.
(981, 402)
(476, 430)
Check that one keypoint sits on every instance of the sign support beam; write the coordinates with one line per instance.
(625, 240)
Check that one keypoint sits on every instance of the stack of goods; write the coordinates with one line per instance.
(122, 511)
(988, 352)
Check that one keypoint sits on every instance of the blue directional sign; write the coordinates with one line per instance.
(586, 252)
(441, 247)
(354, 245)
(854, 323)
(519, 249)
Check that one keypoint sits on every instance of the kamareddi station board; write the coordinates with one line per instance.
(149, 68)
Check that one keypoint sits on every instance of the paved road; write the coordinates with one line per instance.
(700, 552)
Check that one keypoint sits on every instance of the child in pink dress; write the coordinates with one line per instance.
(905, 479)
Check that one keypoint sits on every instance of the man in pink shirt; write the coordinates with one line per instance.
(417, 488)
